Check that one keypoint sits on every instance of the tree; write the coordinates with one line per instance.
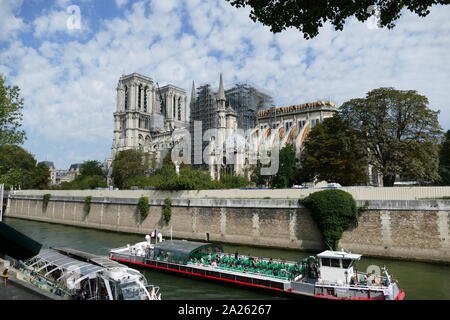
(334, 212)
(18, 169)
(309, 15)
(41, 176)
(284, 178)
(11, 106)
(91, 168)
(127, 165)
(333, 152)
(444, 160)
(399, 131)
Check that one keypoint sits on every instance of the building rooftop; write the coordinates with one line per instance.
(297, 107)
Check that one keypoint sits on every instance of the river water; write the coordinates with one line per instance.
(419, 280)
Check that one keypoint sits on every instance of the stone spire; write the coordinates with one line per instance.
(193, 92)
(221, 95)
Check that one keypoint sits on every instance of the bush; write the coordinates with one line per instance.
(232, 181)
(334, 211)
(167, 210)
(87, 206)
(45, 201)
(143, 207)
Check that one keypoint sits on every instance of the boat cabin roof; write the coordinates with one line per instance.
(181, 250)
(91, 258)
(339, 255)
(51, 257)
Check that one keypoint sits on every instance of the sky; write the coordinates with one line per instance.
(67, 57)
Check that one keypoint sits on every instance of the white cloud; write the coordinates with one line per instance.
(10, 24)
(121, 3)
(69, 86)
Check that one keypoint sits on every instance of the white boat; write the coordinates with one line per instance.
(329, 274)
(72, 274)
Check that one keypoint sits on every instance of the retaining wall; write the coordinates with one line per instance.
(406, 229)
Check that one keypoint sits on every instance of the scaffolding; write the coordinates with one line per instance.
(247, 100)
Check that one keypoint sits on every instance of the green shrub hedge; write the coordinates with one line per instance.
(167, 210)
(143, 207)
(87, 206)
(45, 201)
(334, 211)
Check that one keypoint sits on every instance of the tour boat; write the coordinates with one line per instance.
(72, 274)
(329, 275)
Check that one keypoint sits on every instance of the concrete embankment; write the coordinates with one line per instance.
(404, 229)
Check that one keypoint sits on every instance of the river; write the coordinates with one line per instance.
(419, 280)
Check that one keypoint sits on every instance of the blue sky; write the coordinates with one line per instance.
(68, 76)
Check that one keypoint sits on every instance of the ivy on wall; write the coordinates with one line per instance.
(143, 207)
(167, 210)
(45, 201)
(334, 211)
(87, 206)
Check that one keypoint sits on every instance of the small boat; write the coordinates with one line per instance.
(72, 274)
(328, 275)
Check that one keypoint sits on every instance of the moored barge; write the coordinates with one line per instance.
(329, 275)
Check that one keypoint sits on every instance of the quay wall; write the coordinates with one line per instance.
(358, 193)
(402, 229)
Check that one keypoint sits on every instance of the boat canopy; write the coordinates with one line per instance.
(56, 260)
(339, 255)
(179, 251)
(89, 257)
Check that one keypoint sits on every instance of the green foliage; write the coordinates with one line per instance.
(399, 131)
(87, 206)
(18, 169)
(45, 201)
(444, 160)
(334, 211)
(334, 153)
(128, 165)
(258, 178)
(91, 168)
(143, 207)
(234, 181)
(84, 183)
(167, 210)
(11, 105)
(91, 176)
(284, 178)
(309, 16)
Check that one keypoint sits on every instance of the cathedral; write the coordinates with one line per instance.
(147, 117)
(214, 138)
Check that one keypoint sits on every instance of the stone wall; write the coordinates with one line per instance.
(413, 230)
(358, 193)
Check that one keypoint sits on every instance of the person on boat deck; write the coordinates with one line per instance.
(5, 275)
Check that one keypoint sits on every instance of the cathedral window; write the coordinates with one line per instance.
(145, 98)
(126, 98)
(174, 104)
(179, 108)
(139, 96)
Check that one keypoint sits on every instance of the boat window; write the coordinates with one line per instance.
(130, 291)
(347, 263)
(335, 263)
(326, 262)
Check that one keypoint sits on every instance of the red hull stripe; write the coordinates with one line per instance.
(201, 275)
(400, 296)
